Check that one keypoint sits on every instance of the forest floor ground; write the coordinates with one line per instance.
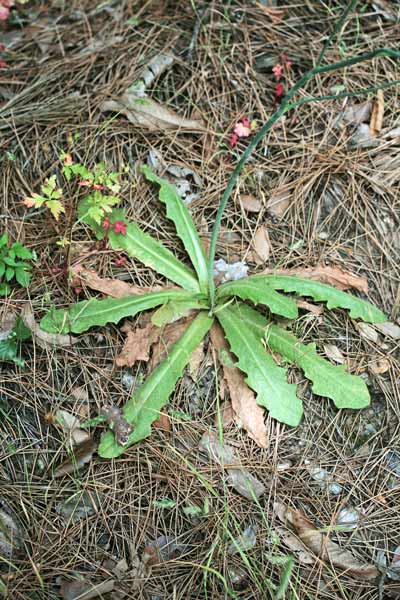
(326, 190)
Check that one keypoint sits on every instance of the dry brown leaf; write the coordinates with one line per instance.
(80, 394)
(279, 202)
(275, 14)
(196, 360)
(249, 414)
(81, 455)
(111, 287)
(367, 332)
(380, 366)
(250, 203)
(312, 308)
(226, 413)
(83, 590)
(163, 423)
(261, 244)
(356, 114)
(169, 335)
(376, 122)
(295, 545)
(335, 276)
(137, 344)
(148, 113)
(71, 425)
(320, 544)
(333, 353)
(240, 479)
(44, 339)
(389, 329)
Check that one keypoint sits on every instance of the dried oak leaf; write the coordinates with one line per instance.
(320, 544)
(249, 414)
(168, 336)
(137, 344)
(335, 276)
(111, 287)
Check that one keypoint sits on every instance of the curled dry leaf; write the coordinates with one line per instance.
(315, 309)
(117, 422)
(335, 276)
(79, 393)
(279, 202)
(44, 339)
(321, 546)
(83, 590)
(389, 329)
(376, 122)
(380, 366)
(81, 455)
(249, 414)
(196, 361)
(168, 336)
(145, 112)
(71, 425)
(367, 332)
(240, 479)
(358, 113)
(137, 344)
(111, 287)
(250, 203)
(295, 545)
(333, 353)
(163, 423)
(11, 534)
(261, 244)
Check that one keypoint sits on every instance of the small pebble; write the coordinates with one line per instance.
(348, 517)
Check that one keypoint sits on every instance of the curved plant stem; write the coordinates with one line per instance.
(285, 106)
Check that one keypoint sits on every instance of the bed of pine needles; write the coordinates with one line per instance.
(343, 211)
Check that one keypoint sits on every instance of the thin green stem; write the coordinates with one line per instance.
(338, 25)
(284, 107)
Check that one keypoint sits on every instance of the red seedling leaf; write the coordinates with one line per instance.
(119, 227)
(233, 140)
(278, 90)
(278, 71)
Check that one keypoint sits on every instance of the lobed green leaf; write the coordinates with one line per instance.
(176, 309)
(264, 376)
(359, 309)
(256, 289)
(185, 228)
(90, 313)
(144, 407)
(153, 254)
(330, 381)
